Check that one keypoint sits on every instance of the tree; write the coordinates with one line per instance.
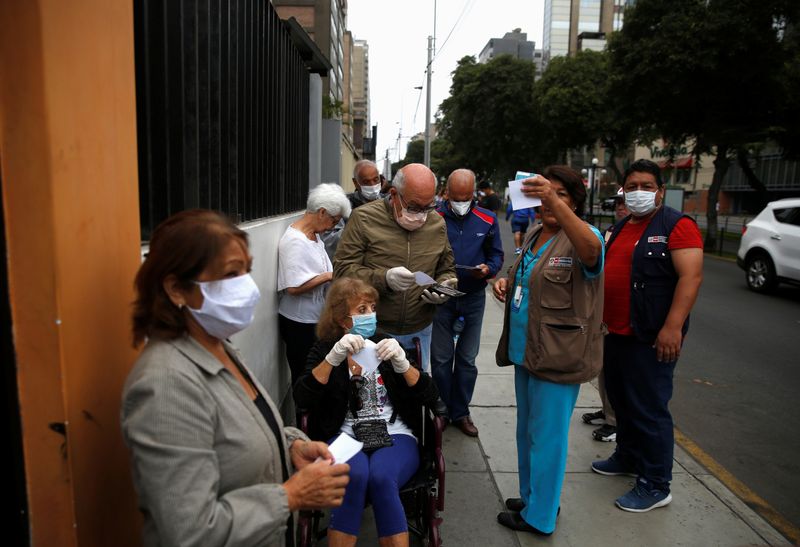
(575, 109)
(703, 70)
(488, 121)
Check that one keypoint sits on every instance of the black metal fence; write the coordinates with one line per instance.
(222, 110)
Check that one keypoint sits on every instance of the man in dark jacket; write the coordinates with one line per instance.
(474, 236)
(367, 181)
(654, 267)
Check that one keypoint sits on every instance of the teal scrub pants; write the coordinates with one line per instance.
(544, 410)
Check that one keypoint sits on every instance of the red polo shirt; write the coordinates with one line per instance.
(618, 261)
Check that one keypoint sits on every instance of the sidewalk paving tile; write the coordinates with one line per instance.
(471, 506)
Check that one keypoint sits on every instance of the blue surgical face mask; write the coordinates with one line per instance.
(364, 325)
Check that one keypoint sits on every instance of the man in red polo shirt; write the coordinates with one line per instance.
(654, 267)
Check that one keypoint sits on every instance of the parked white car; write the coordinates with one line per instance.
(770, 249)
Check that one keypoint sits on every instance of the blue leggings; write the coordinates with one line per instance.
(379, 474)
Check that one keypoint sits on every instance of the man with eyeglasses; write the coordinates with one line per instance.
(385, 242)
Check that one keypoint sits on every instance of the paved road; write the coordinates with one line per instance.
(737, 384)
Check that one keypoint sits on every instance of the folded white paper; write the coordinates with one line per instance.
(367, 358)
(344, 448)
(518, 199)
(423, 279)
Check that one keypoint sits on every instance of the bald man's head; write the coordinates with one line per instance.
(461, 185)
(416, 183)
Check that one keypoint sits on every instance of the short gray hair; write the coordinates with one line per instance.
(331, 197)
(360, 164)
(399, 181)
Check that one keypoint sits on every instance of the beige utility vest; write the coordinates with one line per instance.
(565, 315)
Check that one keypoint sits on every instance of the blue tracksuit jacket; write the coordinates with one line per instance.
(475, 239)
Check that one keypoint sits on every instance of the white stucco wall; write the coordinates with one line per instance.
(260, 343)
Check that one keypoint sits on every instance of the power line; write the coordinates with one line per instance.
(467, 7)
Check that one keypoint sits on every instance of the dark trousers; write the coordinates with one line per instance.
(298, 337)
(639, 388)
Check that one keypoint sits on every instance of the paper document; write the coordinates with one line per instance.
(423, 279)
(518, 199)
(367, 358)
(344, 448)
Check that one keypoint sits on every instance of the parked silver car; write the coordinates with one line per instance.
(770, 249)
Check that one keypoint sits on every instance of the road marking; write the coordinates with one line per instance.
(741, 490)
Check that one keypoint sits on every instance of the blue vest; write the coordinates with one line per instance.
(653, 276)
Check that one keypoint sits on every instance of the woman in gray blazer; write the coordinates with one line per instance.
(212, 462)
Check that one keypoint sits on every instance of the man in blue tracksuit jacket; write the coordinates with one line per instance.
(475, 239)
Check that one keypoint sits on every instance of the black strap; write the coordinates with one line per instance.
(265, 410)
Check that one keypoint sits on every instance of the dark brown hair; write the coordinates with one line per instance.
(183, 245)
(341, 296)
(572, 182)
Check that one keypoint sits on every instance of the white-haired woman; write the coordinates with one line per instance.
(305, 271)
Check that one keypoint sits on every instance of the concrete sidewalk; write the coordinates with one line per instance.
(482, 472)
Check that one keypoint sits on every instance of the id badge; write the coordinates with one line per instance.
(517, 300)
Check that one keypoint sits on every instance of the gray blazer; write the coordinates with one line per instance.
(206, 465)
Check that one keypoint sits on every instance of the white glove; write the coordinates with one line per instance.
(389, 349)
(452, 283)
(432, 297)
(399, 278)
(349, 343)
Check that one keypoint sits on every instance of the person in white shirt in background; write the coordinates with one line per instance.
(305, 271)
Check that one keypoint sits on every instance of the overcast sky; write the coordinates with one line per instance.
(397, 33)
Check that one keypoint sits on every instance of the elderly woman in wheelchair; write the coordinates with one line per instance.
(381, 408)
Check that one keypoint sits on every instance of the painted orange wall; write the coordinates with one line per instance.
(69, 176)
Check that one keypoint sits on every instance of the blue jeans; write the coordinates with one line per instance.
(424, 335)
(453, 363)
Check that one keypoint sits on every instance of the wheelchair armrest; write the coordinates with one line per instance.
(302, 419)
(439, 423)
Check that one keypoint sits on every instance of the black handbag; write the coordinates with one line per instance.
(373, 433)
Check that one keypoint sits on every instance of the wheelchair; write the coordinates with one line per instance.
(422, 496)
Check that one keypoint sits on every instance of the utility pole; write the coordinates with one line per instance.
(428, 105)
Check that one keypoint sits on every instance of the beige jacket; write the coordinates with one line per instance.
(206, 465)
(373, 242)
(565, 316)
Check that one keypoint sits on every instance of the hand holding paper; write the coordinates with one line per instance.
(518, 199)
(367, 358)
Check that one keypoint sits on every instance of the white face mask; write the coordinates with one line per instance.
(460, 208)
(640, 202)
(411, 221)
(228, 305)
(370, 192)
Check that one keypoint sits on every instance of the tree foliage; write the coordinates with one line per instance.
(710, 71)
(489, 119)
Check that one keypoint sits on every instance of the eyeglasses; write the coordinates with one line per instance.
(414, 208)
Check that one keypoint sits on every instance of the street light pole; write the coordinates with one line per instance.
(592, 175)
(428, 105)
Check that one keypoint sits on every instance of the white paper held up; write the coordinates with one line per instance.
(367, 358)
(518, 199)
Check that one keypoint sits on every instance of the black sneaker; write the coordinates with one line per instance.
(594, 418)
(605, 433)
